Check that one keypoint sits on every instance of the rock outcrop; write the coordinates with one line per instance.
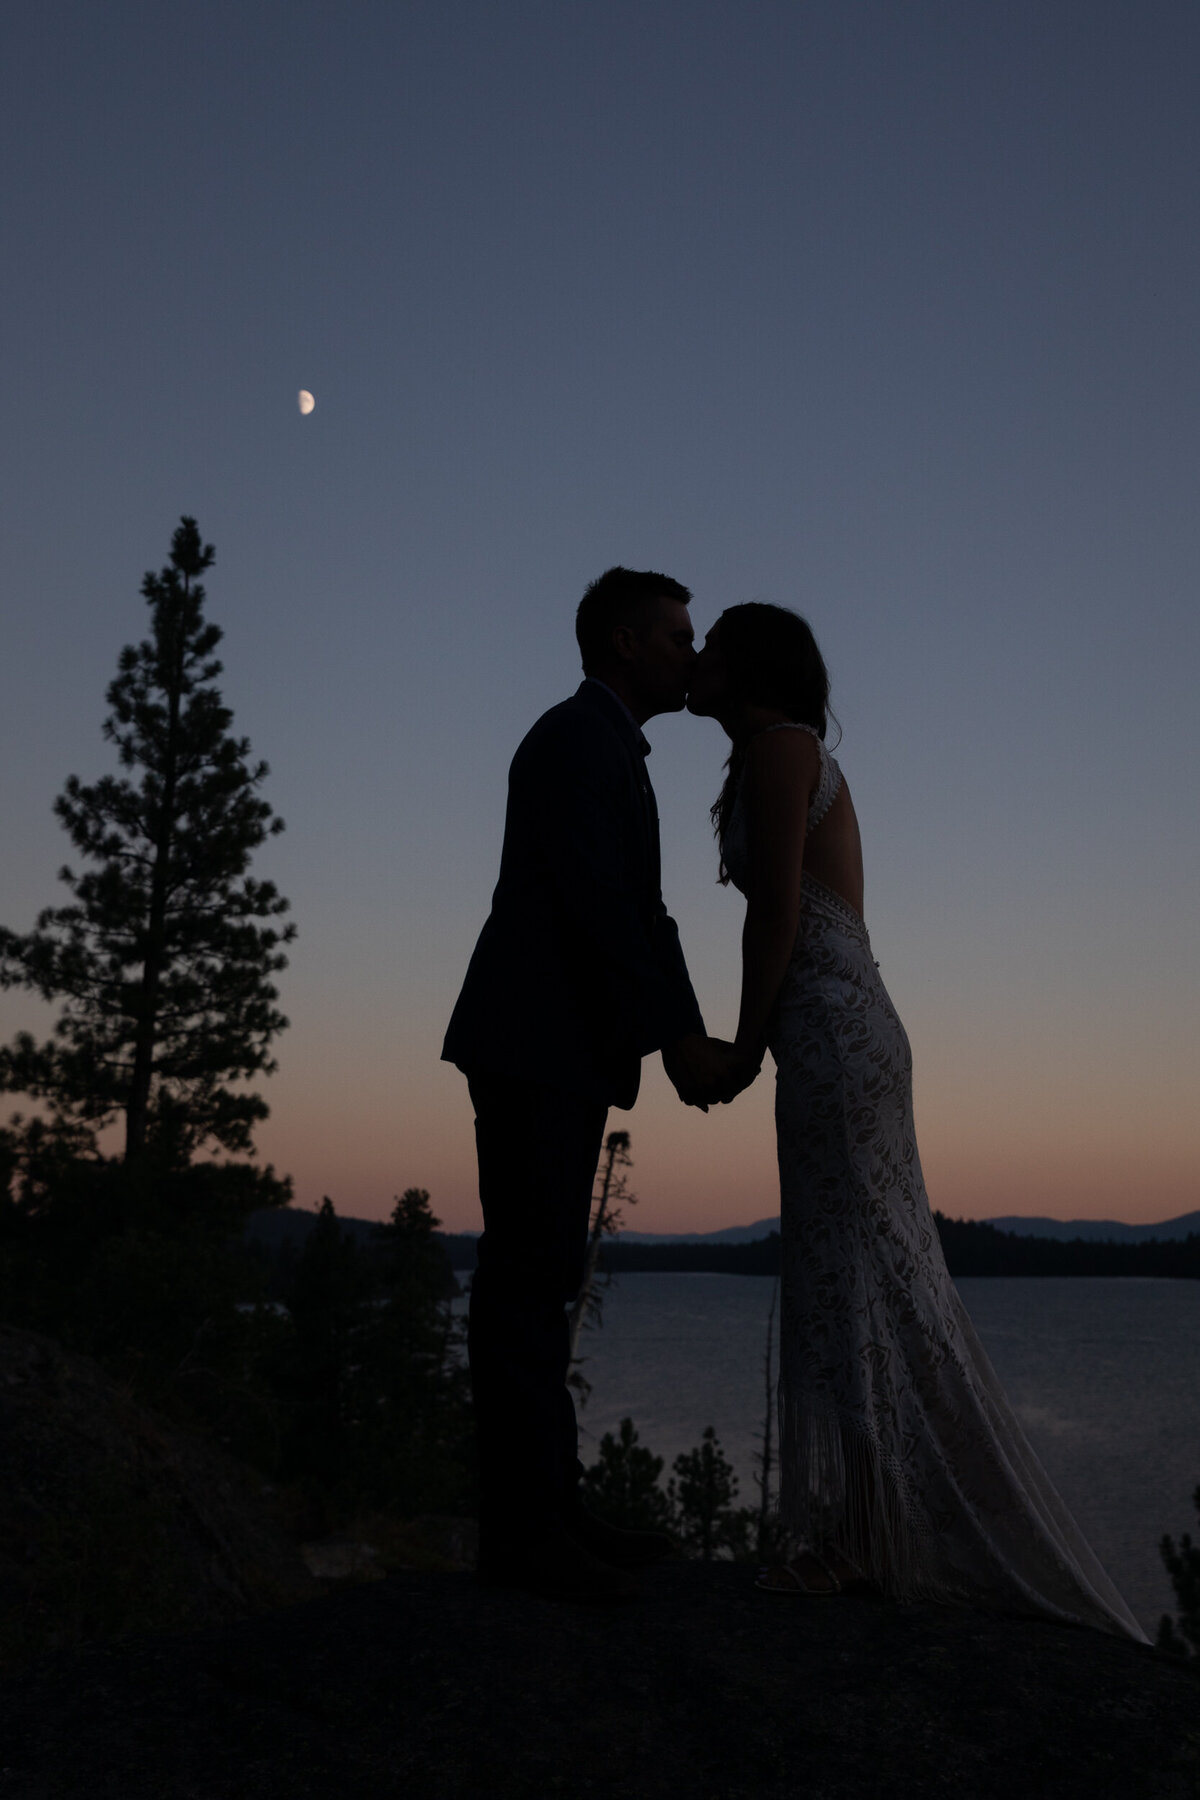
(426, 1685)
(111, 1520)
(163, 1646)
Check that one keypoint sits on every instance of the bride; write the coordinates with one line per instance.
(902, 1462)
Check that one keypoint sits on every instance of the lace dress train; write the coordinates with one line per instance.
(898, 1447)
(897, 1444)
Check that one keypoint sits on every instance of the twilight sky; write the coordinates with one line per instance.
(889, 313)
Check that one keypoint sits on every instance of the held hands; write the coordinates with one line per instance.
(708, 1071)
(733, 1070)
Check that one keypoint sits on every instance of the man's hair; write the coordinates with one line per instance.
(620, 597)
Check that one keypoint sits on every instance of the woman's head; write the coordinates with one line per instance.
(759, 655)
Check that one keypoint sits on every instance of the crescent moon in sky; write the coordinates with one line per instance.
(306, 401)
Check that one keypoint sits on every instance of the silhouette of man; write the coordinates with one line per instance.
(577, 974)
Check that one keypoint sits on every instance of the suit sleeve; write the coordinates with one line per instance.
(685, 1009)
(621, 941)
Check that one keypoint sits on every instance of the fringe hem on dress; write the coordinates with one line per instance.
(843, 1492)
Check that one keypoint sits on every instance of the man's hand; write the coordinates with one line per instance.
(707, 1071)
(689, 1068)
(731, 1071)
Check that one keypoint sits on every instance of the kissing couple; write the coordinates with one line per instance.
(903, 1467)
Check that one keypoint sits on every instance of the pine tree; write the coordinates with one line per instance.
(373, 1373)
(1181, 1636)
(607, 1220)
(415, 1436)
(165, 957)
(707, 1522)
(325, 1304)
(622, 1485)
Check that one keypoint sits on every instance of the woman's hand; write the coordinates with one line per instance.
(729, 1071)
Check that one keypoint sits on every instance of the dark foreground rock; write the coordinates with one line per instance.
(425, 1685)
(112, 1521)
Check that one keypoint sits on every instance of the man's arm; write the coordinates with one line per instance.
(576, 791)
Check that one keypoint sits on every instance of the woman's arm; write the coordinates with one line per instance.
(781, 772)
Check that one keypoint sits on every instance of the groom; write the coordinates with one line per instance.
(576, 976)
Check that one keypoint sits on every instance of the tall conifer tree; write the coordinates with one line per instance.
(165, 957)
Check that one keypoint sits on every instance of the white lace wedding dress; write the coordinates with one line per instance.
(897, 1445)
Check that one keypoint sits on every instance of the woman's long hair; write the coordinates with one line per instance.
(771, 659)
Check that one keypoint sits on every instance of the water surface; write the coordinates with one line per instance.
(1101, 1372)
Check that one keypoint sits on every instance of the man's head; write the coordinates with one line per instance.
(634, 633)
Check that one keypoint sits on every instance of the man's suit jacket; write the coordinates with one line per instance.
(578, 972)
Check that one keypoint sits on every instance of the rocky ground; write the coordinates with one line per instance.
(112, 1520)
(425, 1685)
(162, 1639)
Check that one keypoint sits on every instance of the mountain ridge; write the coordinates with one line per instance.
(297, 1222)
(1112, 1231)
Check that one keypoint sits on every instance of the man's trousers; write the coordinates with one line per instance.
(538, 1151)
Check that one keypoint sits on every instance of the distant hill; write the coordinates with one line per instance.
(732, 1234)
(1009, 1246)
(971, 1246)
(278, 1235)
(1100, 1231)
(1091, 1231)
(288, 1227)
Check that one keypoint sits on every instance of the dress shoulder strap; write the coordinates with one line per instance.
(829, 779)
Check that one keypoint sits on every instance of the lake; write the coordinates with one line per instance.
(1103, 1375)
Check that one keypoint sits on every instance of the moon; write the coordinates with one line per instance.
(306, 401)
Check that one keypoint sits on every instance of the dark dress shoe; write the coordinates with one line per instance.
(557, 1567)
(622, 1549)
